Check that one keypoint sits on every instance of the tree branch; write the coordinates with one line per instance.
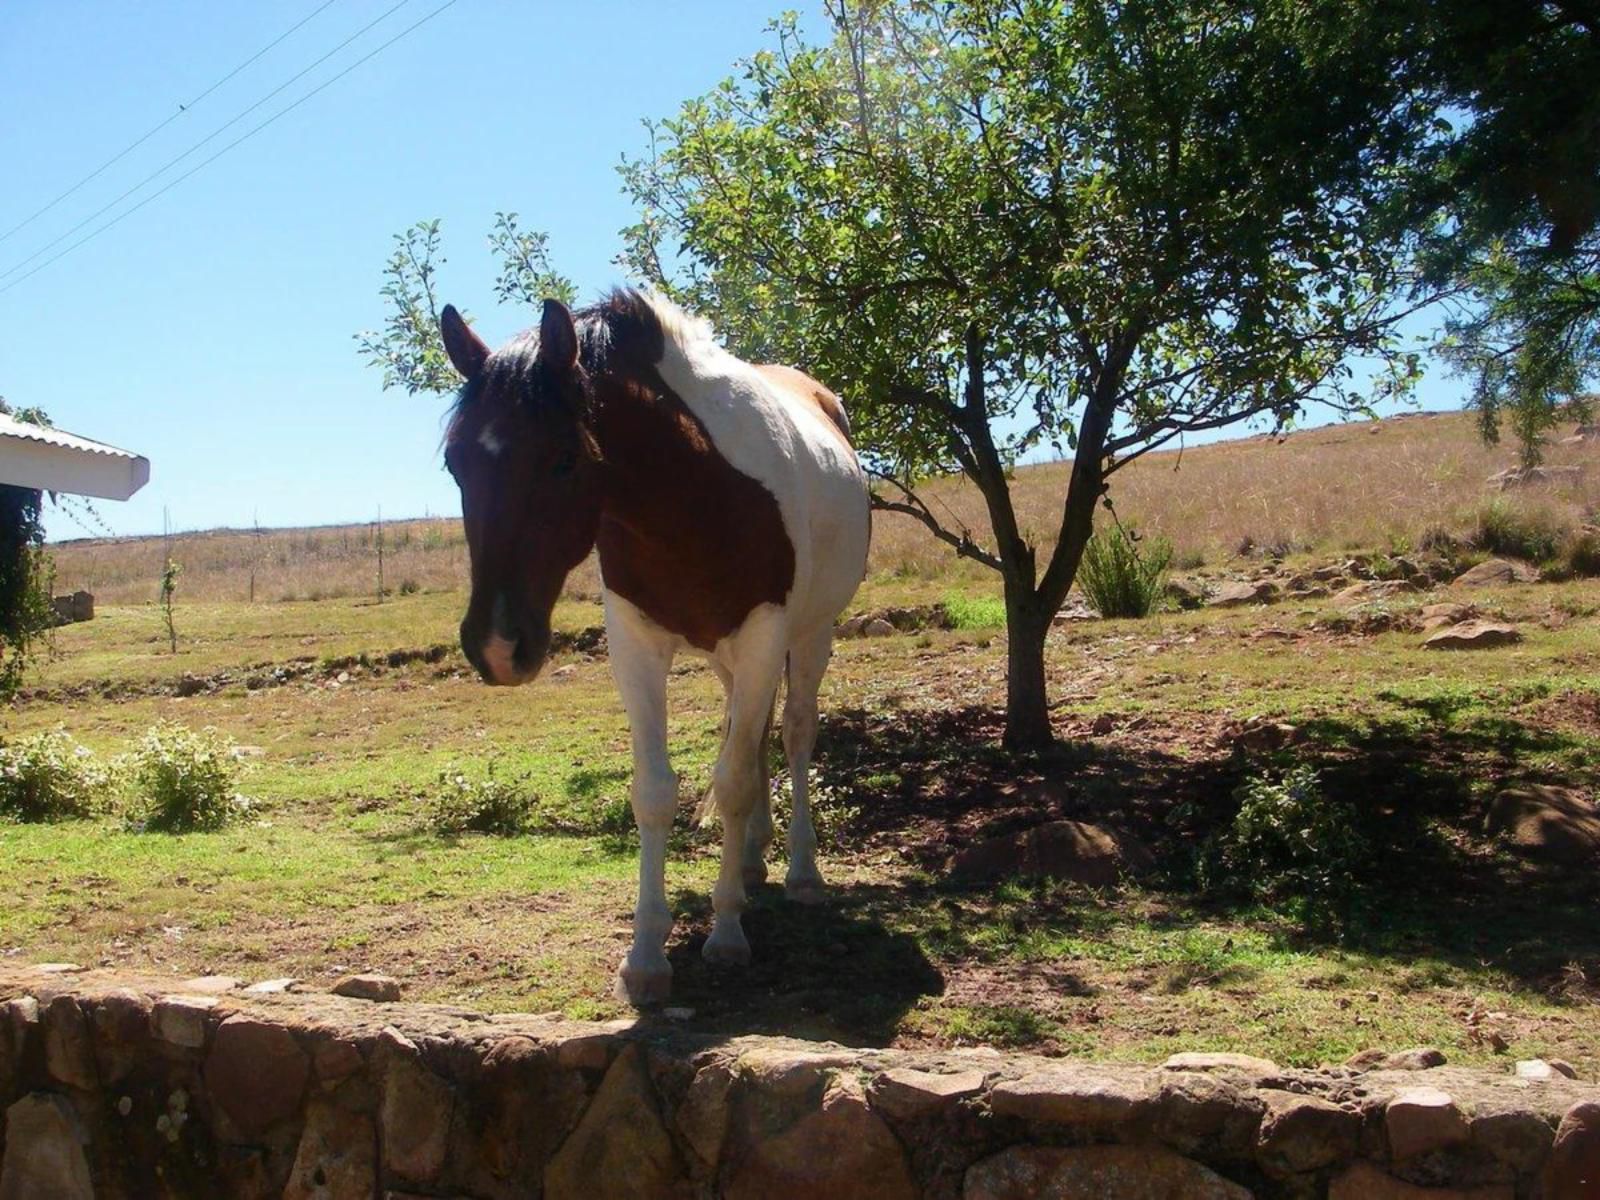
(914, 507)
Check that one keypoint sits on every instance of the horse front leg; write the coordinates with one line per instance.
(640, 660)
(755, 663)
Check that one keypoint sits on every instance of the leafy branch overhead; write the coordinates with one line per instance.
(407, 349)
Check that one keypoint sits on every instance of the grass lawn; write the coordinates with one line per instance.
(1454, 943)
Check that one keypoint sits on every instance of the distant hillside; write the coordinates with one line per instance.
(1362, 485)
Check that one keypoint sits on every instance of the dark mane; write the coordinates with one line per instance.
(621, 333)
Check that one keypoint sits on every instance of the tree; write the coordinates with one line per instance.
(1000, 224)
(1513, 197)
(408, 349)
(25, 572)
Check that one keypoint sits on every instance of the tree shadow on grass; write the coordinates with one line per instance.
(927, 783)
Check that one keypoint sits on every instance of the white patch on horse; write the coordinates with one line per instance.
(489, 441)
(778, 440)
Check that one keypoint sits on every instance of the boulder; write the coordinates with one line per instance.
(1368, 591)
(181, 1020)
(1302, 1133)
(1556, 824)
(1222, 1060)
(1097, 1095)
(842, 1150)
(256, 1072)
(620, 1148)
(1422, 1119)
(337, 1158)
(1418, 1058)
(1240, 592)
(370, 986)
(68, 1052)
(1435, 615)
(1075, 850)
(1495, 571)
(877, 627)
(1103, 1172)
(1363, 1181)
(1472, 635)
(415, 1113)
(1574, 1166)
(1185, 593)
(906, 1094)
(43, 1152)
(1542, 476)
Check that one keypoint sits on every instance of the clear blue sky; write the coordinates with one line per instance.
(211, 330)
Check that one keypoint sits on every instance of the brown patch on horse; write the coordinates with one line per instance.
(800, 385)
(685, 537)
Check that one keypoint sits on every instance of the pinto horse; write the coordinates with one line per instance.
(731, 518)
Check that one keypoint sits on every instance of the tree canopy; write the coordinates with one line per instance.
(997, 225)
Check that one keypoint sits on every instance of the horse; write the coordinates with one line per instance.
(731, 518)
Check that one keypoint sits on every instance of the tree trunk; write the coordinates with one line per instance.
(1027, 708)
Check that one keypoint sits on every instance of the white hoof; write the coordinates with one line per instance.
(727, 945)
(805, 889)
(644, 985)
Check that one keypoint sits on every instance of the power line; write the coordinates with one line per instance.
(228, 124)
(244, 137)
(182, 108)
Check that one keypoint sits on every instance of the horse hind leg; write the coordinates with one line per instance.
(758, 834)
(807, 663)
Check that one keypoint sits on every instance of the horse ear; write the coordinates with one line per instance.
(558, 337)
(465, 348)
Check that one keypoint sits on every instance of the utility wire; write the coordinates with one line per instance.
(244, 137)
(182, 108)
(172, 162)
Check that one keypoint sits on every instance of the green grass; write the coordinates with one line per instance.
(338, 870)
(974, 612)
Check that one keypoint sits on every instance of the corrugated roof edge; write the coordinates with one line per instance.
(9, 427)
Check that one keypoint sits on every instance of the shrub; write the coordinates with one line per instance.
(184, 780)
(831, 811)
(1290, 846)
(492, 803)
(1123, 574)
(974, 612)
(50, 777)
(409, 587)
(1580, 553)
(1502, 528)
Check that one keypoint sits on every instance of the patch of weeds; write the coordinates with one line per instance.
(832, 814)
(1006, 1025)
(1290, 847)
(1580, 554)
(494, 802)
(1502, 528)
(184, 780)
(1124, 575)
(50, 777)
(974, 612)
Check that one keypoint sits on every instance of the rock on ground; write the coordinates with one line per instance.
(1556, 824)
(1075, 850)
(1473, 635)
(1496, 571)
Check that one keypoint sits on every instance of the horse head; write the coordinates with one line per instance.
(520, 449)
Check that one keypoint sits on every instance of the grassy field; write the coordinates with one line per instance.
(1367, 485)
(348, 711)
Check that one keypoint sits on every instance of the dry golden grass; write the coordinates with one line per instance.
(1363, 485)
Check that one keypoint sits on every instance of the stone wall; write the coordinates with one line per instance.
(116, 1086)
